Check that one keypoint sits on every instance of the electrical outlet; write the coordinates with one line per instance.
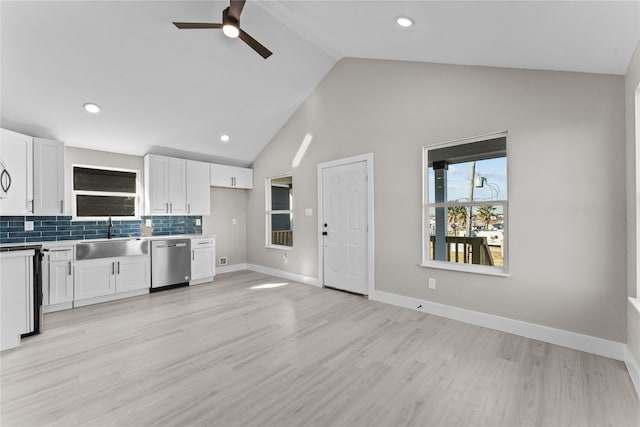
(308, 212)
(223, 260)
(285, 257)
(148, 222)
(432, 283)
(198, 221)
(28, 226)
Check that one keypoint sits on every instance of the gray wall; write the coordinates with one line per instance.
(566, 149)
(231, 240)
(632, 80)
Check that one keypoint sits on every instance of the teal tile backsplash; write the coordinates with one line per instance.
(58, 228)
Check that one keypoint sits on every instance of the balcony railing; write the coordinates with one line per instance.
(473, 250)
(282, 237)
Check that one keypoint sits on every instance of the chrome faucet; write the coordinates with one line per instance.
(109, 225)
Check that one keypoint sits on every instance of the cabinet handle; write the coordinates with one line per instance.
(193, 255)
(62, 206)
(113, 268)
(69, 268)
(5, 184)
(118, 267)
(170, 207)
(167, 210)
(188, 207)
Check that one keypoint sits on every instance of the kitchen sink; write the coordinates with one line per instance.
(111, 248)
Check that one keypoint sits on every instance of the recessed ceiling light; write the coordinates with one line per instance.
(91, 107)
(403, 21)
(224, 137)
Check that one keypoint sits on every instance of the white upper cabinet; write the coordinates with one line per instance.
(16, 169)
(181, 187)
(156, 192)
(48, 177)
(230, 176)
(243, 177)
(165, 185)
(198, 193)
(177, 185)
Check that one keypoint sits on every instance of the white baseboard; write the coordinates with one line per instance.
(57, 307)
(231, 268)
(633, 368)
(284, 274)
(111, 297)
(599, 346)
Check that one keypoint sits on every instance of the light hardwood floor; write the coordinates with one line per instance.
(238, 353)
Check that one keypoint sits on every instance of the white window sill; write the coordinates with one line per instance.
(635, 302)
(466, 268)
(286, 248)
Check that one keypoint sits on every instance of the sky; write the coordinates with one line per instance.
(458, 180)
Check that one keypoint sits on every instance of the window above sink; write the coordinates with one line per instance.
(100, 192)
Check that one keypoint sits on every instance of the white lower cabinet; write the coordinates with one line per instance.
(95, 278)
(133, 273)
(203, 253)
(57, 278)
(16, 296)
(60, 282)
(110, 276)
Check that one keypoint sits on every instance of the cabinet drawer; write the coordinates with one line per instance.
(61, 254)
(201, 243)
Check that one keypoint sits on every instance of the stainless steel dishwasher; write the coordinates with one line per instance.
(170, 263)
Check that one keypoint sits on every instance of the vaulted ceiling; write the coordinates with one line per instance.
(175, 92)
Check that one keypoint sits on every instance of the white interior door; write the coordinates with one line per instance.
(344, 221)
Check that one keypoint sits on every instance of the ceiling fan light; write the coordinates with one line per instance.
(91, 107)
(404, 21)
(230, 31)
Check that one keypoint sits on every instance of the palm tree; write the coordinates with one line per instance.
(485, 213)
(457, 216)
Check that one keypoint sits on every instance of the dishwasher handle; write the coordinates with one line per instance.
(172, 245)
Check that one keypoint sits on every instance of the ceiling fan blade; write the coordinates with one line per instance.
(235, 8)
(255, 45)
(195, 25)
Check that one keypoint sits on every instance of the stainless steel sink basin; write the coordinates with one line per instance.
(111, 248)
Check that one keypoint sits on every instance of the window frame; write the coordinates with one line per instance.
(426, 206)
(74, 193)
(269, 212)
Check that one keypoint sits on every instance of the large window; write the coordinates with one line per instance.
(279, 200)
(465, 205)
(100, 192)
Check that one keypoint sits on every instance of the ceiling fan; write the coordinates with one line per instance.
(230, 27)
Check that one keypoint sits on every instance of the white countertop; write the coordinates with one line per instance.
(73, 242)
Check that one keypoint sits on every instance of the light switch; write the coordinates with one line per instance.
(28, 226)
(234, 221)
(308, 212)
(198, 221)
(148, 222)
